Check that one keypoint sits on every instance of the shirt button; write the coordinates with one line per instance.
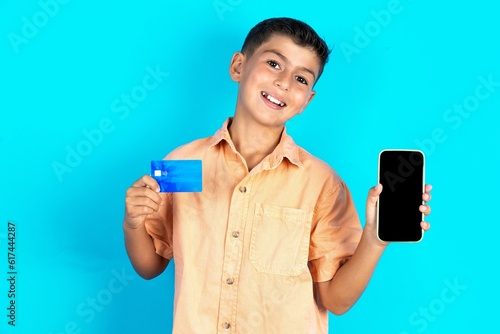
(236, 234)
(229, 281)
(226, 325)
(243, 189)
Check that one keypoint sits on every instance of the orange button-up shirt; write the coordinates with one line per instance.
(249, 247)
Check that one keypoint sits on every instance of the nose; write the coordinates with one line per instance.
(282, 81)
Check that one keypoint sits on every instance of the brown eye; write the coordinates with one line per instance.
(274, 64)
(301, 80)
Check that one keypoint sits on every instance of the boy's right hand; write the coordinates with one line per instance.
(141, 199)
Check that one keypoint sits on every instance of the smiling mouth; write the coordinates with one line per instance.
(273, 100)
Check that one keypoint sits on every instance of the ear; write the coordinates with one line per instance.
(236, 66)
(309, 99)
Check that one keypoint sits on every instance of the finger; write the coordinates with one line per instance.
(373, 194)
(425, 209)
(147, 181)
(133, 202)
(138, 192)
(371, 203)
(426, 196)
(138, 211)
(425, 226)
(136, 207)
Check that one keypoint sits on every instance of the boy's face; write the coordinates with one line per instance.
(275, 82)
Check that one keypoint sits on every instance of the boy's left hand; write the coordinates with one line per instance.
(371, 211)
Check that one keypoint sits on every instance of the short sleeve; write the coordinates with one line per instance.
(335, 233)
(159, 227)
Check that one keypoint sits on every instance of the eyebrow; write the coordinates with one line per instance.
(279, 54)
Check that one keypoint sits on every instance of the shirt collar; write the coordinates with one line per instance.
(285, 149)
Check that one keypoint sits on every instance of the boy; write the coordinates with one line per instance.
(274, 240)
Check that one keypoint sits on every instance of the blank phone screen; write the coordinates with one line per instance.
(401, 174)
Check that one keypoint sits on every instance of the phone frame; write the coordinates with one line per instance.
(423, 190)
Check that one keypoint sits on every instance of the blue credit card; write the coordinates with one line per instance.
(177, 175)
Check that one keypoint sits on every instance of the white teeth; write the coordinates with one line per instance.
(273, 100)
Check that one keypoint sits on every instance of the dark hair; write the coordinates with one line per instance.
(300, 32)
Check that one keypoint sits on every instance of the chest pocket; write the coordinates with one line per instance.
(279, 242)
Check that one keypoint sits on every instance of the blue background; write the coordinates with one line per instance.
(67, 67)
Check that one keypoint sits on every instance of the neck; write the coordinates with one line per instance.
(253, 141)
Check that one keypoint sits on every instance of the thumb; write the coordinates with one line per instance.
(371, 203)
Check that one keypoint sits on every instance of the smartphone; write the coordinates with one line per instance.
(402, 175)
(178, 175)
